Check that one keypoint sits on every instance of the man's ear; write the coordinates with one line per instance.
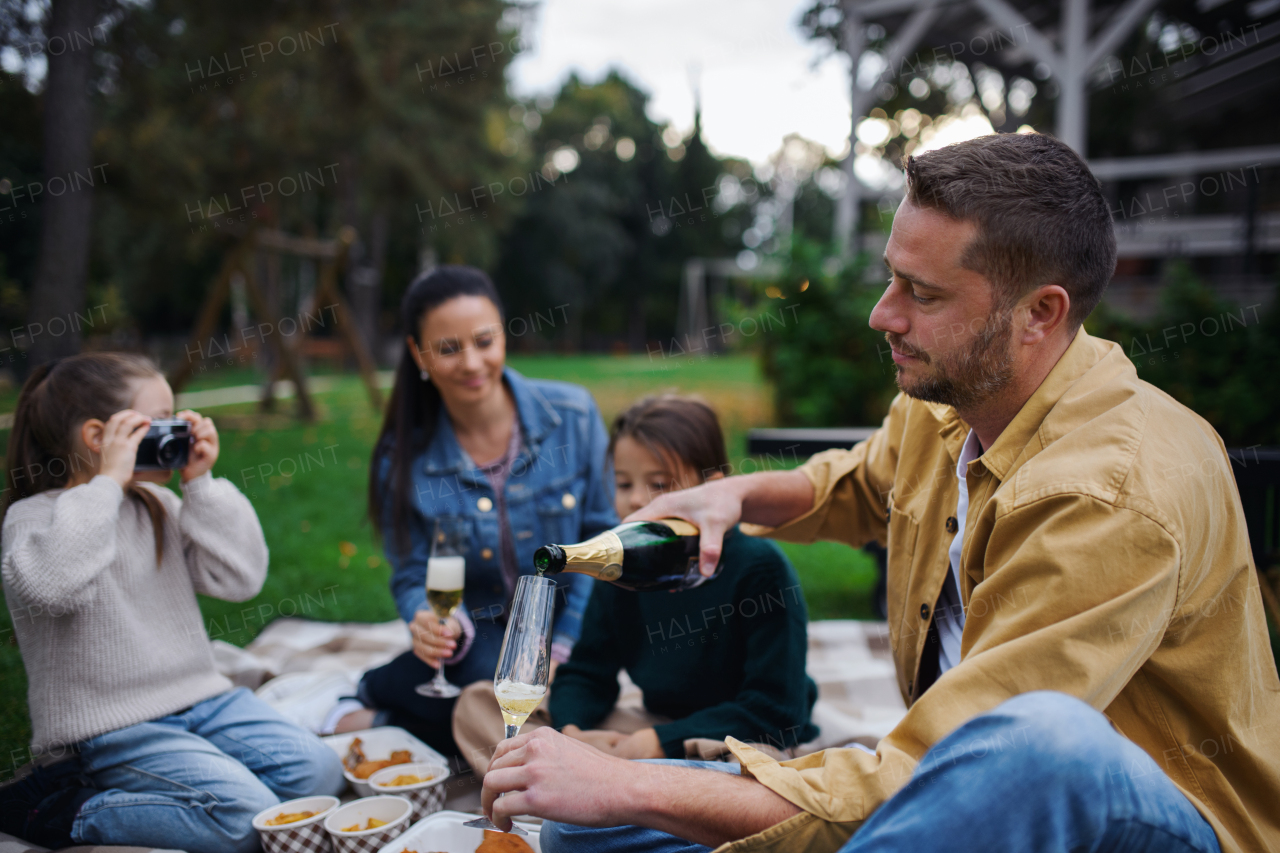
(91, 432)
(1046, 309)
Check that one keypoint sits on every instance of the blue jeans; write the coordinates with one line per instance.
(1043, 771)
(195, 779)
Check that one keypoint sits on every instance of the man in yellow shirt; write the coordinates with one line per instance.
(1073, 610)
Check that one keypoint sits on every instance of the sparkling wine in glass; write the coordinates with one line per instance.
(446, 571)
(524, 664)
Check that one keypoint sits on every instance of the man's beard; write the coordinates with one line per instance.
(967, 378)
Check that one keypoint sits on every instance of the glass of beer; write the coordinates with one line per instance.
(446, 568)
(524, 664)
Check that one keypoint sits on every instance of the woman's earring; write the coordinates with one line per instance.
(425, 376)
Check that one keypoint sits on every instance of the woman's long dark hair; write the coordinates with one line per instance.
(411, 418)
(55, 400)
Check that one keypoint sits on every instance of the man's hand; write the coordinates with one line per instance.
(602, 739)
(545, 774)
(769, 498)
(555, 777)
(204, 445)
(642, 744)
(434, 640)
(713, 507)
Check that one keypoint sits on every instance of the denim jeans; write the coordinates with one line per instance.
(1043, 771)
(195, 779)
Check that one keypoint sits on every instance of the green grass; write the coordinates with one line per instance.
(307, 483)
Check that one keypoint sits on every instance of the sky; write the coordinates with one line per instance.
(759, 79)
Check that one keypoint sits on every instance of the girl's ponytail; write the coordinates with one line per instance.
(28, 463)
(56, 398)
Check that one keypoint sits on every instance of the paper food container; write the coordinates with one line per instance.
(394, 810)
(378, 744)
(303, 836)
(427, 797)
(443, 832)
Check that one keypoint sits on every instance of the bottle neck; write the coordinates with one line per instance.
(600, 557)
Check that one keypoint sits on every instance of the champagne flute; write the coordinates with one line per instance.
(446, 568)
(524, 664)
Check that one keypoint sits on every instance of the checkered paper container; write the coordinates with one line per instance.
(395, 811)
(304, 836)
(380, 743)
(427, 797)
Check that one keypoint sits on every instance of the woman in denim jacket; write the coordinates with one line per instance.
(520, 460)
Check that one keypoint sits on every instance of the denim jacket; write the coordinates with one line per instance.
(556, 492)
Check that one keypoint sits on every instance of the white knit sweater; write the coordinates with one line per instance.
(109, 638)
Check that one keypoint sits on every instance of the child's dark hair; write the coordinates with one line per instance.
(57, 398)
(670, 425)
(415, 403)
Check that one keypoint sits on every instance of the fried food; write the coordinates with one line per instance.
(404, 779)
(373, 823)
(355, 755)
(288, 817)
(359, 765)
(502, 842)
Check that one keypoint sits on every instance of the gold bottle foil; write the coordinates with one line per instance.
(600, 556)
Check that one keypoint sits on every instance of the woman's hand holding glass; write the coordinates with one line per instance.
(434, 640)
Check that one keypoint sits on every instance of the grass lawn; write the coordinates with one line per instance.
(308, 485)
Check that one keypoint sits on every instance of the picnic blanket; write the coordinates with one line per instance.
(302, 667)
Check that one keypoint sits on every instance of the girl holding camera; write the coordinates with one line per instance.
(101, 566)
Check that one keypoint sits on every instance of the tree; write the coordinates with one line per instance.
(307, 118)
(68, 36)
(624, 204)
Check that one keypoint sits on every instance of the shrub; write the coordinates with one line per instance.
(1219, 359)
(826, 365)
(829, 368)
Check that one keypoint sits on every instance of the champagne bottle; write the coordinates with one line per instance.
(642, 556)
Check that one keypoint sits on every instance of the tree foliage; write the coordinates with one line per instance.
(609, 239)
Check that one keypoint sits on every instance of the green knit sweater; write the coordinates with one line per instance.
(724, 659)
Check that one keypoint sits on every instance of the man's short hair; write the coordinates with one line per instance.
(1040, 212)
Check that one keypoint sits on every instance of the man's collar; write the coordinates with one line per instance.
(1082, 354)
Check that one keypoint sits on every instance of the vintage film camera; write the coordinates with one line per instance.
(166, 446)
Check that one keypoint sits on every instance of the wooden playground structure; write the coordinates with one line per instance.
(241, 263)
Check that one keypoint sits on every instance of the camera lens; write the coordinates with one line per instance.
(169, 450)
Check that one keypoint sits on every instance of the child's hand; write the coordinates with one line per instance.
(204, 445)
(642, 744)
(121, 435)
(601, 739)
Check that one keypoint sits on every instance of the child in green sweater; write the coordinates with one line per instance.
(726, 659)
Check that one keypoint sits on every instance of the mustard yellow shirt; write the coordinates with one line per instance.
(1105, 556)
